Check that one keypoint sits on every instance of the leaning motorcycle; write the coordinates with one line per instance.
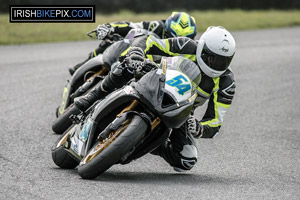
(91, 72)
(87, 76)
(131, 121)
(110, 59)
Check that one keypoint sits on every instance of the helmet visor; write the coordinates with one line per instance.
(215, 61)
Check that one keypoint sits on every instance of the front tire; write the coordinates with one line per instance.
(61, 124)
(109, 151)
(59, 154)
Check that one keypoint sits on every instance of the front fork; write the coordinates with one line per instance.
(132, 106)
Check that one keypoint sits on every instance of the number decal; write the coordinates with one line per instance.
(85, 131)
(178, 82)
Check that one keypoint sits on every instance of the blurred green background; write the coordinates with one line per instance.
(232, 14)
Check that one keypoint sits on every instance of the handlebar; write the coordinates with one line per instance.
(109, 38)
(138, 66)
(91, 32)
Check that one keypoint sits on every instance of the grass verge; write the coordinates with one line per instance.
(22, 33)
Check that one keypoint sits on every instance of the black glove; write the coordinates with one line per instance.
(136, 51)
(149, 65)
(194, 127)
(104, 30)
(135, 58)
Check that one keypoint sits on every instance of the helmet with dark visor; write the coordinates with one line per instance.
(215, 61)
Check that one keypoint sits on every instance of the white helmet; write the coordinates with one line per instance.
(215, 50)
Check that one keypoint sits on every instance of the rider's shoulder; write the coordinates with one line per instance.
(228, 74)
(227, 79)
(184, 40)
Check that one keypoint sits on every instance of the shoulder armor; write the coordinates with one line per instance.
(227, 84)
(153, 26)
(183, 45)
(156, 27)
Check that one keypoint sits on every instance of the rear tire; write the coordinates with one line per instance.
(59, 154)
(109, 151)
(61, 124)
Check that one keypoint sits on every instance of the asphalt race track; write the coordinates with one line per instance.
(255, 156)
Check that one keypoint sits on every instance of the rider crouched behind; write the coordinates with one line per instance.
(178, 24)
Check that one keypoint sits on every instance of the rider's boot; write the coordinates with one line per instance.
(84, 102)
(179, 151)
(115, 79)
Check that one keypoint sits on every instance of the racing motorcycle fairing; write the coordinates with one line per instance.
(113, 103)
(171, 93)
(76, 81)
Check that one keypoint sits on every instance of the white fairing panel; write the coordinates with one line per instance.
(179, 85)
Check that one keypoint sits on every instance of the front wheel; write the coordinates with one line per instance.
(59, 154)
(61, 124)
(111, 150)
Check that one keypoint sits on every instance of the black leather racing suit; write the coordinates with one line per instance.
(219, 91)
(123, 28)
(180, 150)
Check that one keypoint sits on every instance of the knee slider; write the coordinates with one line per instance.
(188, 157)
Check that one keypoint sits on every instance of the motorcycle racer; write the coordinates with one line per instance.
(213, 53)
(178, 24)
